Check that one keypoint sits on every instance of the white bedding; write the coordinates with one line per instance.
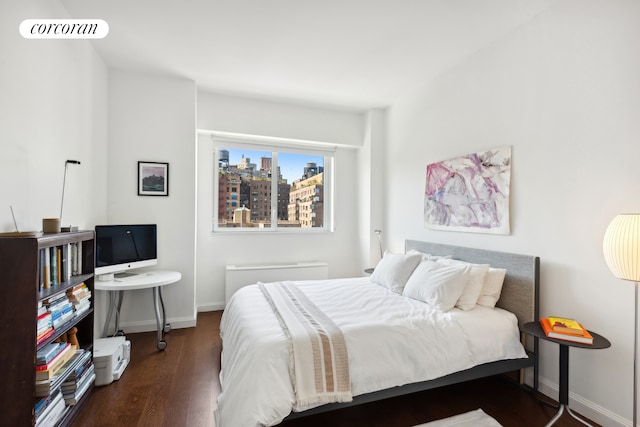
(392, 340)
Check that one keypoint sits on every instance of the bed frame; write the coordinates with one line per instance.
(520, 295)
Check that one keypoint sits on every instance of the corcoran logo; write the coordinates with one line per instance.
(64, 29)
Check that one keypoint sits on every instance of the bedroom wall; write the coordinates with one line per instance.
(152, 118)
(217, 112)
(53, 108)
(563, 91)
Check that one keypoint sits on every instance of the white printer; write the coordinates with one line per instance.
(110, 358)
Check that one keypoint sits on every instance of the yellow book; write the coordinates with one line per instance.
(562, 324)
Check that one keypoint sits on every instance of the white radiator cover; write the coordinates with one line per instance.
(238, 276)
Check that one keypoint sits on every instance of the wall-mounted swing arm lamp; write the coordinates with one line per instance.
(621, 247)
(379, 233)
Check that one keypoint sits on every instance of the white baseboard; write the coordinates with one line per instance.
(212, 306)
(150, 326)
(583, 406)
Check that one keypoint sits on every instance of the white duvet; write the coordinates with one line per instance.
(391, 339)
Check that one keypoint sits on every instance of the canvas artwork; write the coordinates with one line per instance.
(469, 193)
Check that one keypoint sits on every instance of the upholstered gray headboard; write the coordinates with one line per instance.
(520, 292)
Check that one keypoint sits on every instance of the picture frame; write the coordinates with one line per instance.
(153, 178)
(469, 193)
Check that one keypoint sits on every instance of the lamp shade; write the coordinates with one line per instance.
(621, 246)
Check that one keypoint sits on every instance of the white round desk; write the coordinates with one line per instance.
(142, 280)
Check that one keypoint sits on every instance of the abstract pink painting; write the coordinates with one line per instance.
(469, 193)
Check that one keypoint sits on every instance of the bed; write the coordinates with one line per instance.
(389, 338)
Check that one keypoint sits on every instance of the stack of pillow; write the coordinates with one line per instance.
(441, 282)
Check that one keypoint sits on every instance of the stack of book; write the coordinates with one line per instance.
(563, 328)
(79, 380)
(61, 310)
(80, 297)
(49, 410)
(51, 358)
(45, 326)
(63, 388)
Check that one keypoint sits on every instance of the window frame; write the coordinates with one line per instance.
(275, 146)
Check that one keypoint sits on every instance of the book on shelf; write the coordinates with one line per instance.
(50, 410)
(65, 316)
(78, 293)
(81, 366)
(66, 262)
(41, 308)
(73, 397)
(82, 307)
(57, 264)
(42, 403)
(46, 272)
(45, 335)
(50, 385)
(54, 266)
(47, 353)
(563, 324)
(49, 370)
(44, 322)
(76, 258)
(59, 261)
(584, 337)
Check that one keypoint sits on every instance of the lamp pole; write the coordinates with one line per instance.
(64, 182)
(621, 246)
(635, 358)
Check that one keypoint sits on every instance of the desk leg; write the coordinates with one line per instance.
(166, 326)
(115, 301)
(112, 303)
(157, 301)
(117, 331)
(563, 395)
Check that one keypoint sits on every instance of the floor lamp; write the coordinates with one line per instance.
(621, 246)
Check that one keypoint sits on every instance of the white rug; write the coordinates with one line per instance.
(477, 418)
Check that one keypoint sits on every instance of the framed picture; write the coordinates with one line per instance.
(153, 179)
(469, 193)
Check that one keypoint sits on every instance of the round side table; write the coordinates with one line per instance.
(599, 342)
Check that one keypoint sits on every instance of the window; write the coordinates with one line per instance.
(266, 186)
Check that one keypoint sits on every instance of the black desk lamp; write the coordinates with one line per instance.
(64, 182)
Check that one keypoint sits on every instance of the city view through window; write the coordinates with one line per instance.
(258, 187)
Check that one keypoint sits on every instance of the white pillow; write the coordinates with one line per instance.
(492, 287)
(475, 282)
(437, 284)
(394, 270)
(426, 256)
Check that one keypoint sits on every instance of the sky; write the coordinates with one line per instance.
(291, 164)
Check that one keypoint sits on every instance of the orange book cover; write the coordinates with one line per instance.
(585, 337)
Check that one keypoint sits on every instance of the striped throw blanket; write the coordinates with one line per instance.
(319, 365)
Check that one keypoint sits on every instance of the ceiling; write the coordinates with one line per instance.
(354, 54)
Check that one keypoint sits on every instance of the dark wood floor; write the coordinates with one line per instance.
(178, 387)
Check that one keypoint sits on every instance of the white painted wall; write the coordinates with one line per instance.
(241, 115)
(52, 108)
(564, 92)
(152, 118)
(370, 184)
